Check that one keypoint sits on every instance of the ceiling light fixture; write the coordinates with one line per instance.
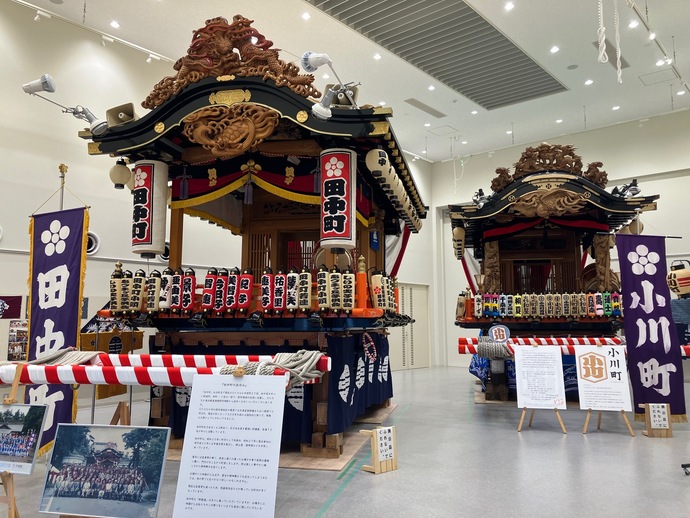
(660, 62)
(615, 108)
(509, 132)
(45, 83)
(152, 57)
(588, 82)
(106, 39)
(509, 6)
(558, 121)
(633, 24)
(377, 56)
(652, 35)
(554, 49)
(40, 15)
(474, 112)
(306, 16)
(427, 124)
(463, 142)
(432, 88)
(680, 92)
(114, 24)
(382, 103)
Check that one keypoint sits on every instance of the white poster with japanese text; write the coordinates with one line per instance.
(602, 378)
(229, 464)
(539, 377)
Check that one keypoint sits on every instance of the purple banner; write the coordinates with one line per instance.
(654, 356)
(58, 260)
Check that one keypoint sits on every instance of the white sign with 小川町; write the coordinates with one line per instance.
(602, 378)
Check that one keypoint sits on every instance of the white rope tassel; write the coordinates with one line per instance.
(601, 35)
(616, 28)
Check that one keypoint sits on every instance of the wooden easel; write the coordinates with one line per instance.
(531, 417)
(381, 466)
(625, 418)
(7, 477)
(122, 415)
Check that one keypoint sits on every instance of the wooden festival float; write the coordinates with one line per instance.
(312, 188)
(531, 236)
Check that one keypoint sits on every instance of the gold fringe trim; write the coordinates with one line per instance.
(309, 199)
(28, 281)
(205, 215)
(205, 198)
(82, 276)
(364, 221)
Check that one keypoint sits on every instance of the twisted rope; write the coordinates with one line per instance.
(492, 350)
(301, 365)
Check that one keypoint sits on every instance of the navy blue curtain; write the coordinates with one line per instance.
(356, 381)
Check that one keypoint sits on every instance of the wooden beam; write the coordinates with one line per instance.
(176, 227)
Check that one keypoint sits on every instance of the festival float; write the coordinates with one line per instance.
(311, 186)
(533, 236)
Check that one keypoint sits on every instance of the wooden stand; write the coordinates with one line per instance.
(381, 466)
(589, 414)
(531, 417)
(7, 477)
(655, 428)
(122, 414)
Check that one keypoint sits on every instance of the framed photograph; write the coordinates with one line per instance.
(20, 434)
(105, 471)
(17, 344)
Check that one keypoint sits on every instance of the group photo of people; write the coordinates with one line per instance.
(18, 444)
(105, 471)
(96, 481)
(20, 436)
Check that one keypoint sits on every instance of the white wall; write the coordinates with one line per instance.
(35, 137)
(656, 152)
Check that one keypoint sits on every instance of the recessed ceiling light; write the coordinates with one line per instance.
(616, 108)
(424, 151)
(463, 142)
(509, 6)
(669, 61)
(652, 35)
(633, 24)
(680, 92)
(558, 121)
(306, 16)
(509, 132)
(114, 24)
(382, 103)
(555, 49)
(588, 82)
(377, 56)
(426, 125)
(432, 87)
(660, 62)
(474, 112)
(326, 76)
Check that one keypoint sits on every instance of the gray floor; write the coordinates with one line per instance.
(458, 459)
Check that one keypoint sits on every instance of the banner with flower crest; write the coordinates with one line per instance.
(56, 277)
(654, 355)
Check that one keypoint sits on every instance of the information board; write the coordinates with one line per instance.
(602, 378)
(229, 464)
(539, 377)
